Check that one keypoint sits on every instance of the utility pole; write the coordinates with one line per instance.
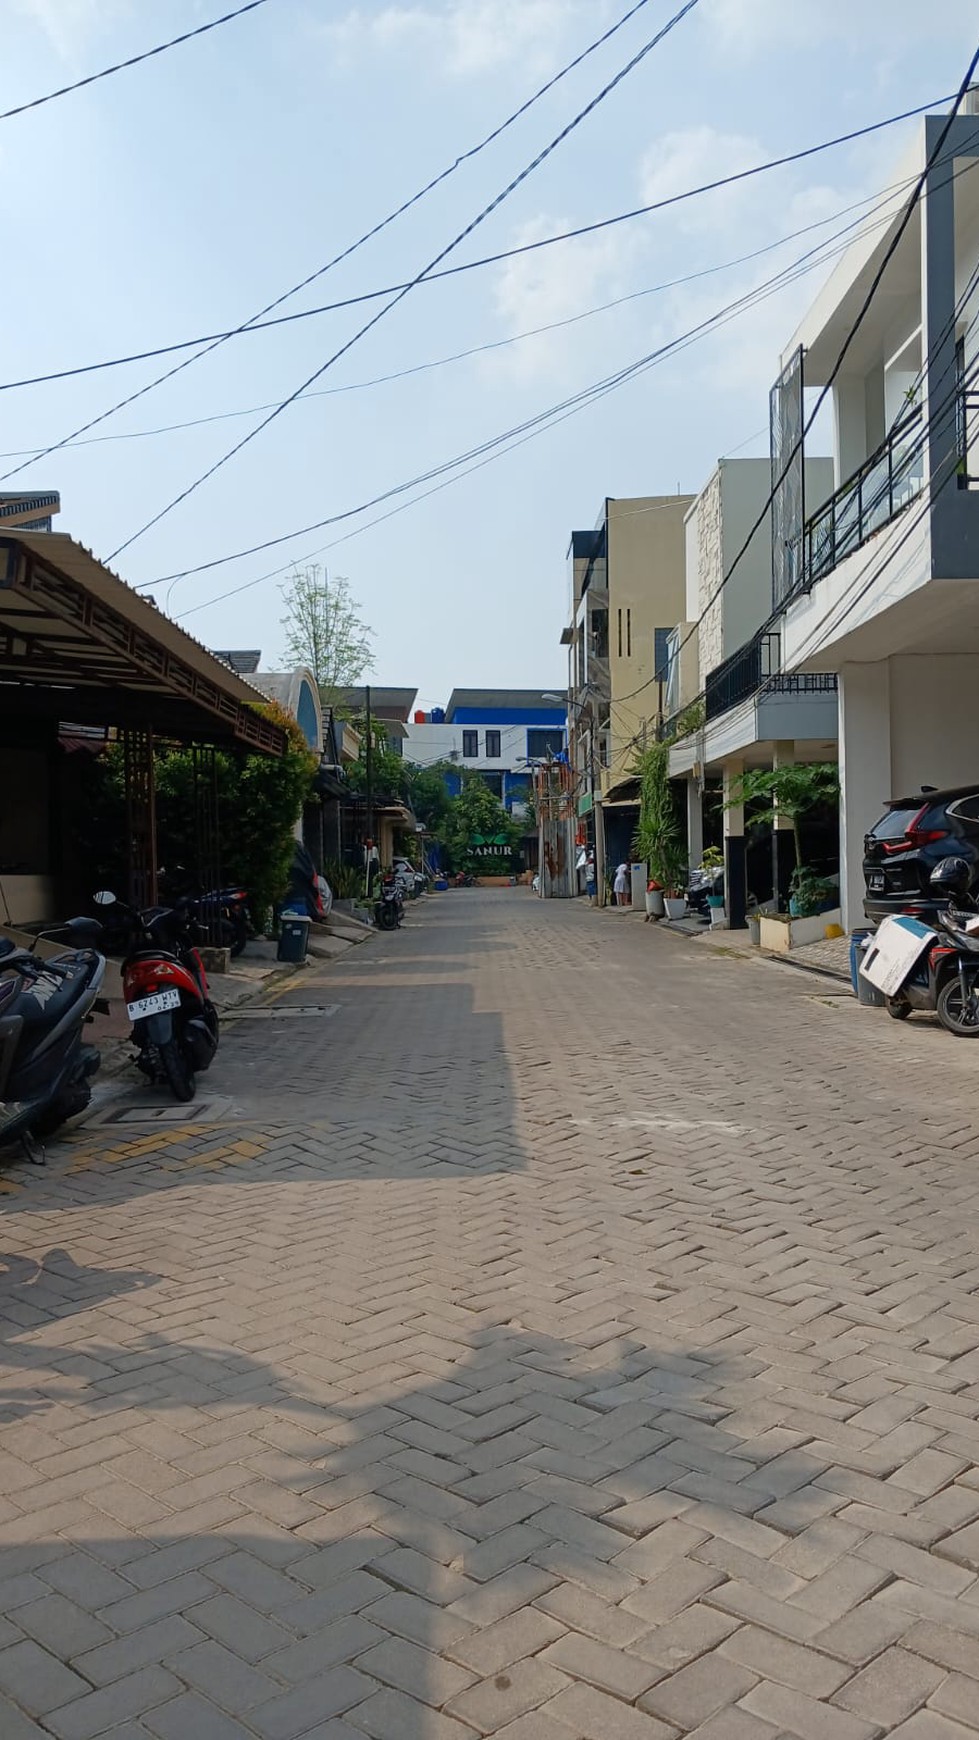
(370, 789)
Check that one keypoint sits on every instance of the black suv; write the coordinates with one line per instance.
(913, 835)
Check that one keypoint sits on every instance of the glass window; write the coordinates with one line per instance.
(541, 743)
(661, 652)
(493, 748)
(470, 744)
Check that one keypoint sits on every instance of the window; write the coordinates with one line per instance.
(540, 743)
(470, 745)
(661, 653)
(495, 783)
(493, 749)
(628, 634)
(599, 633)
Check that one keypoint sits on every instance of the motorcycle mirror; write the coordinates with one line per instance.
(104, 897)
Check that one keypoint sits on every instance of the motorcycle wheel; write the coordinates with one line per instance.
(74, 1100)
(387, 918)
(898, 1011)
(239, 937)
(958, 1016)
(180, 1076)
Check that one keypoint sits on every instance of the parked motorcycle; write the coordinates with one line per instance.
(701, 883)
(389, 907)
(175, 1024)
(220, 915)
(937, 981)
(45, 1070)
(464, 879)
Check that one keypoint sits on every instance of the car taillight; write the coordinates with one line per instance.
(915, 836)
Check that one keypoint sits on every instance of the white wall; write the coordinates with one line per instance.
(425, 744)
(934, 721)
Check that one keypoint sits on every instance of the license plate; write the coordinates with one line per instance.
(875, 882)
(153, 1005)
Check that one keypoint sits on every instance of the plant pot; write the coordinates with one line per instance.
(754, 928)
(784, 932)
(655, 905)
(718, 918)
(676, 906)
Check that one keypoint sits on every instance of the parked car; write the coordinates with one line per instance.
(912, 837)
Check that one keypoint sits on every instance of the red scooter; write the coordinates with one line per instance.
(175, 1024)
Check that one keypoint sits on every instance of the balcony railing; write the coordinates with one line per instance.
(886, 483)
(968, 440)
(741, 675)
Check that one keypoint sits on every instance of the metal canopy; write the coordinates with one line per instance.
(77, 643)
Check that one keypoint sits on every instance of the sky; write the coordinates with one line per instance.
(180, 197)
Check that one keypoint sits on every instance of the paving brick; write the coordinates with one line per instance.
(391, 1715)
(616, 1671)
(14, 1725)
(153, 1643)
(295, 1712)
(490, 1650)
(950, 1649)
(592, 1716)
(61, 1626)
(191, 1717)
(790, 1664)
(695, 1693)
(929, 1725)
(958, 1698)
(490, 1704)
(88, 1718)
(425, 1677)
(225, 1679)
(892, 1687)
(234, 1623)
(793, 1713)
(34, 1678)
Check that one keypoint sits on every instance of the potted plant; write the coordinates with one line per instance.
(655, 907)
(788, 794)
(674, 878)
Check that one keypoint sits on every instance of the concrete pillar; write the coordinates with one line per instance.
(850, 419)
(865, 772)
(735, 879)
(783, 837)
(600, 891)
(695, 822)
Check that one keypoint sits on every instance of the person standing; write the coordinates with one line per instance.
(620, 887)
(591, 886)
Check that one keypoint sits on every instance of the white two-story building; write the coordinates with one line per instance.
(881, 583)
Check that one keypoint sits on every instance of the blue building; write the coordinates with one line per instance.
(498, 733)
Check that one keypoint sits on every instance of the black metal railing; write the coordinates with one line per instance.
(968, 440)
(741, 675)
(801, 683)
(886, 483)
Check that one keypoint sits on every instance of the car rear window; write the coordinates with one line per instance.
(895, 824)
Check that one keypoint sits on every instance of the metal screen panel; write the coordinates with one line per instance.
(788, 481)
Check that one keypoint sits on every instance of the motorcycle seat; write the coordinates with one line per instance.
(44, 997)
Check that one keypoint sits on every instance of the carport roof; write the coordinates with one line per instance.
(78, 643)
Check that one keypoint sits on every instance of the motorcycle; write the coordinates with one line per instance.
(175, 1024)
(464, 879)
(389, 907)
(45, 1070)
(701, 883)
(937, 983)
(221, 914)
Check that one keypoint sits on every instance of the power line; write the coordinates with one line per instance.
(213, 341)
(472, 350)
(515, 437)
(798, 446)
(134, 60)
(259, 325)
(517, 181)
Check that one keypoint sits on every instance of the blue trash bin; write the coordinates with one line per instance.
(863, 990)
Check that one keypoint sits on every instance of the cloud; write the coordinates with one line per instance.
(746, 28)
(464, 38)
(691, 158)
(540, 289)
(69, 24)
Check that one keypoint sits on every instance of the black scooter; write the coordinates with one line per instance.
(389, 907)
(45, 1070)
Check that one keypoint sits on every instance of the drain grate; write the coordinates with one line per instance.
(161, 1112)
(283, 1011)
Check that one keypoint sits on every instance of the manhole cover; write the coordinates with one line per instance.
(283, 1011)
(162, 1112)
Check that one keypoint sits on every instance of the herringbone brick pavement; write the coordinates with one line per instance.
(559, 1335)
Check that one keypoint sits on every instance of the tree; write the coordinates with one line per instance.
(788, 792)
(476, 821)
(325, 632)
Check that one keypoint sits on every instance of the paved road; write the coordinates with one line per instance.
(543, 1328)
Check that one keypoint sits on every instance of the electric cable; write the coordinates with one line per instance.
(472, 350)
(134, 60)
(256, 322)
(517, 181)
(798, 445)
(816, 256)
(258, 325)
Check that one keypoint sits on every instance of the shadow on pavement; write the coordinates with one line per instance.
(198, 1537)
